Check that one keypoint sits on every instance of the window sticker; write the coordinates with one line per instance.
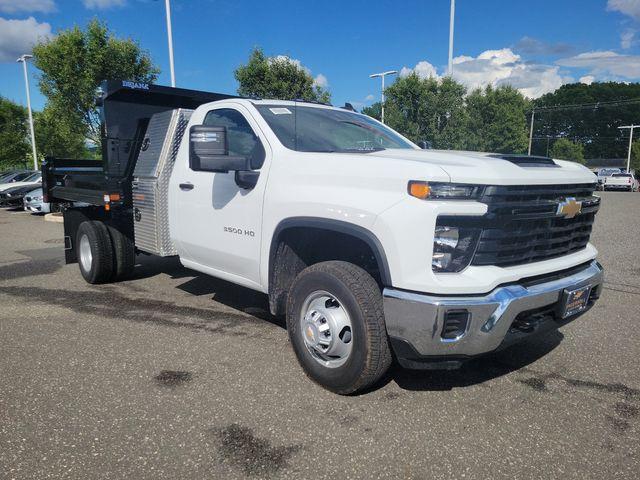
(280, 111)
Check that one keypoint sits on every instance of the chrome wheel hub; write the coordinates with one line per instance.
(326, 329)
(85, 253)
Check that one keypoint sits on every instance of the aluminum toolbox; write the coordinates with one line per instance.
(151, 181)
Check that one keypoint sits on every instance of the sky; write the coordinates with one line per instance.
(534, 45)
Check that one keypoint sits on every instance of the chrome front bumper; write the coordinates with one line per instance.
(415, 321)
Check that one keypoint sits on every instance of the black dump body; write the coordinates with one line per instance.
(126, 108)
(101, 190)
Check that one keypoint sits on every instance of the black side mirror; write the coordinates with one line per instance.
(209, 151)
(425, 144)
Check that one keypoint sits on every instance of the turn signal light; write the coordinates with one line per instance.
(444, 190)
(419, 190)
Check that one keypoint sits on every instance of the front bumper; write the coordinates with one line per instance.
(415, 321)
(7, 202)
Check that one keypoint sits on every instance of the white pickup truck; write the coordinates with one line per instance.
(620, 181)
(373, 248)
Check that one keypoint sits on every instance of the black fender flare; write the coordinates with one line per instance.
(339, 226)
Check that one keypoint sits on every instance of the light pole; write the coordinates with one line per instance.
(170, 40)
(23, 59)
(451, 18)
(533, 116)
(631, 128)
(382, 75)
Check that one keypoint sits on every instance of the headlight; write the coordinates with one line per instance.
(453, 248)
(444, 191)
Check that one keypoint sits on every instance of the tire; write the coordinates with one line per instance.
(97, 267)
(355, 292)
(124, 254)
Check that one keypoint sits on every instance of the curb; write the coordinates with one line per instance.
(54, 217)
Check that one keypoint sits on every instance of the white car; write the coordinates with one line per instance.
(34, 178)
(33, 202)
(620, 181)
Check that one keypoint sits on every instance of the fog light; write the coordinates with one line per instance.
(455, 324)
(441, 261)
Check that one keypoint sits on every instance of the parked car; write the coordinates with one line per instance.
(34, 179)
(13, 196)
(620, 181)
(603, 173)
(15, 176)
(371, 247)
(33, 202)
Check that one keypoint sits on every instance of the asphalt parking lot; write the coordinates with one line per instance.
(178, 375)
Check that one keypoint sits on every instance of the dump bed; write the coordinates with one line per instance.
(126, 109)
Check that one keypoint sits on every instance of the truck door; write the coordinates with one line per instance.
(217, 223)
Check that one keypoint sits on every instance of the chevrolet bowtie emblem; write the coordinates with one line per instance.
(569, 208)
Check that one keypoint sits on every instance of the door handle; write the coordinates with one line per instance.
(186, 186)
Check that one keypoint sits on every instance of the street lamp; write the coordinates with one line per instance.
(631, 128)
(451, 18)
(167, 7)
(382, 75)
(23, 59)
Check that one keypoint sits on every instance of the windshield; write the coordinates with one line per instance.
(311, 129)
(34, 177)
(621, 175)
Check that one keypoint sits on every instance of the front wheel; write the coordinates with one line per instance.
(335, 321)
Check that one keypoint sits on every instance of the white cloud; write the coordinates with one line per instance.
(496, 67)
(321, 81)
(605, 63)
(19, 36)
(103, 4)
(369, 97)
(626, 7)
(18, 6)
(627, 38)
(423, 69)
(504, 67)
(587, 79)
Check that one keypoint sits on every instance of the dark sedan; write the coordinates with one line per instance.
(13, 197)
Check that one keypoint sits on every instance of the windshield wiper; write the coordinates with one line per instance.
(347, 150)
(363, 150)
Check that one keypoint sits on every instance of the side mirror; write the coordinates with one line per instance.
(209, 151)
(425, 145)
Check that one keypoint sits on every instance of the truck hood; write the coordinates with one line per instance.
(480, 168)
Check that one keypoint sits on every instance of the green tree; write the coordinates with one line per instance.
(595, 127)
(635, 157)
(374, 111)
(57, 136)
(75, 61)
(497, 120)
(427, 109)
(565, 149)
(277, 77)
(14, 141)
